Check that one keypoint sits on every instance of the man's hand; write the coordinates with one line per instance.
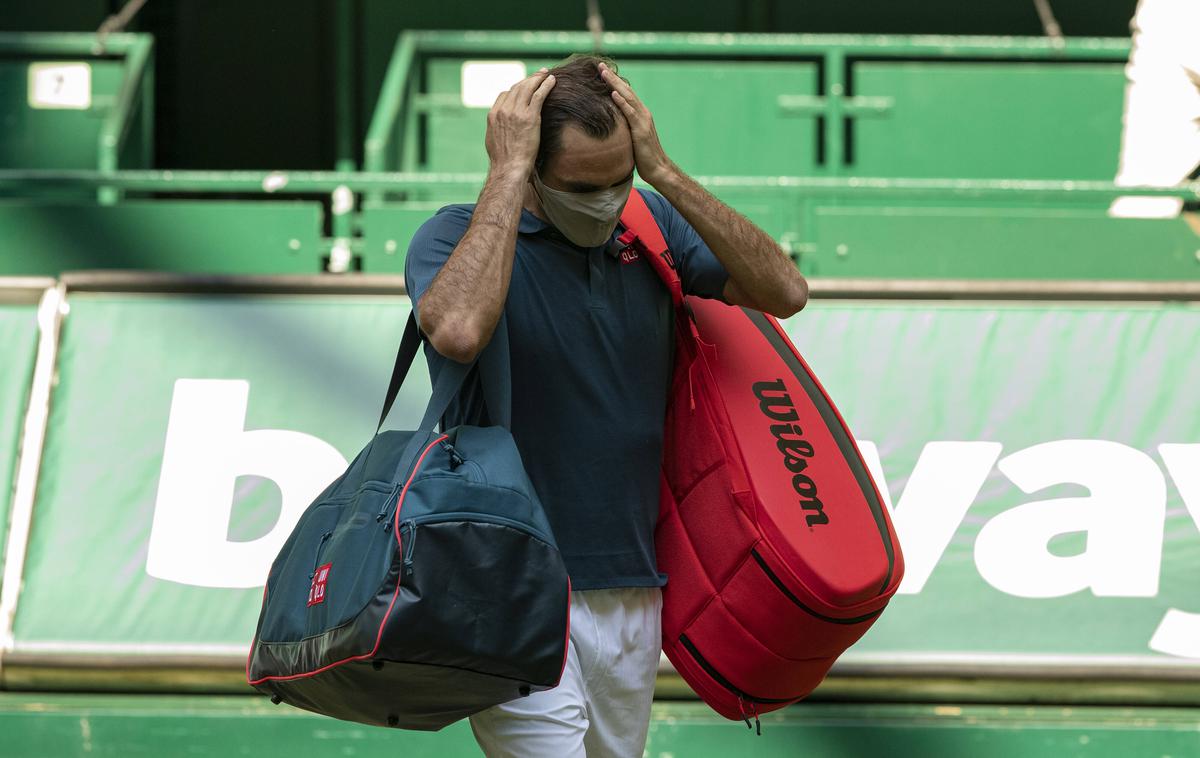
(760, 275)
(460, 309)
(652, 162)
(514, 125)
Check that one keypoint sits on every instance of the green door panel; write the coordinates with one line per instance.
(990, 120)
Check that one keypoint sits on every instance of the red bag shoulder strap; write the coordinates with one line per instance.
(642, 232)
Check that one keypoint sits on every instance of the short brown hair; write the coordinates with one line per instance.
(579, 97)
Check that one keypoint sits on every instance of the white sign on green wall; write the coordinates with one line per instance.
(1042, 463)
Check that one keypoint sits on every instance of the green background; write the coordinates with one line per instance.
(18, 348)
(903, 374)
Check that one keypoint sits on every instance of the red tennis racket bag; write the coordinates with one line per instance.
(778, 550)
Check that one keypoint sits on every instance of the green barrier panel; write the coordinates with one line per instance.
(999, 243)
(132, 727)
(157, 425)
(163, 235)
(53, 138)
(387, 231)
(834, 226)
(1042, 459)
(1043, 465)
(770, 105)
(66, 105)
(985, 120)
(704, 109)
(18, 346)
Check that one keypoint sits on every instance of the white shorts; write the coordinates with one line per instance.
(601, 707)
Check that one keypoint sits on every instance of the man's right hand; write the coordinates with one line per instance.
(514, 124)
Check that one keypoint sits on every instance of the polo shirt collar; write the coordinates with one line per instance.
(531, 224)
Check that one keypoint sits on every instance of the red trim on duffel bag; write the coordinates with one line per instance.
(395, 593)
(567, 643)
(250, 654)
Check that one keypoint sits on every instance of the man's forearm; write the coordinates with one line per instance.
(460, 309)
(756, 264)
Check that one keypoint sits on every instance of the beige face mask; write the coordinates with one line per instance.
(586, 218)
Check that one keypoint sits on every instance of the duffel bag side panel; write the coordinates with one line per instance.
(336, 566)
(482, 596)
(308, 624)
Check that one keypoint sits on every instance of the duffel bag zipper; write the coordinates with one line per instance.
(408, 530)
(389, 515)
(433, 518)
(762, 564)
(457, 460)
(385, 515)
(410, 544)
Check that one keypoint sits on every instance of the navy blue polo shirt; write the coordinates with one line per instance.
(591, 341)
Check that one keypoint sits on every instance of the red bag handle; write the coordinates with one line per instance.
(642, 232)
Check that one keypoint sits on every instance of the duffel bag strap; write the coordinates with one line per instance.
(404, 358)
(494, 373)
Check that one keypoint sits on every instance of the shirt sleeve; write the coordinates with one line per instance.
(431, 247)
(699, 270)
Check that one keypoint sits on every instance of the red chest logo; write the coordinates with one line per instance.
(629, 254)
(316, 593)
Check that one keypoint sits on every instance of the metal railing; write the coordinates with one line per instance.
(398, 100)
(137, 87)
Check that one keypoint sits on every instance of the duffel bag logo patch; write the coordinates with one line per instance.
(316, 593)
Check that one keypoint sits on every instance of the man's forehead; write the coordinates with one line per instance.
(588, 160)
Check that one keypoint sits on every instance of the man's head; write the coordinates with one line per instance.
(585, 141)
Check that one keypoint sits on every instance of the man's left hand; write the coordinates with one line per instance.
(652, 162)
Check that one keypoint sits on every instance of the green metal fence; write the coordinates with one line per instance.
(928, 130)
(925, 106)
(833, 227)
(865, 157)
(188, 418)
(69, 102)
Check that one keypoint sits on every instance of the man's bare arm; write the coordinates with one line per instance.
(761, 276)
(464, 302)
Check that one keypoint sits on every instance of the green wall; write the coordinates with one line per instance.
(235, 78)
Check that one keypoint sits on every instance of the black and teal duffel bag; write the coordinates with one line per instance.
(424, 584)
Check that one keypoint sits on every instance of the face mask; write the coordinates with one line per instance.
(585, 218)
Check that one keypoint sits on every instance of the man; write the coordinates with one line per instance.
(591, 339)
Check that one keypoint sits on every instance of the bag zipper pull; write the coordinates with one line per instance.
(456, 460)
(409, 545)
(742, 710)
(386, 513)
